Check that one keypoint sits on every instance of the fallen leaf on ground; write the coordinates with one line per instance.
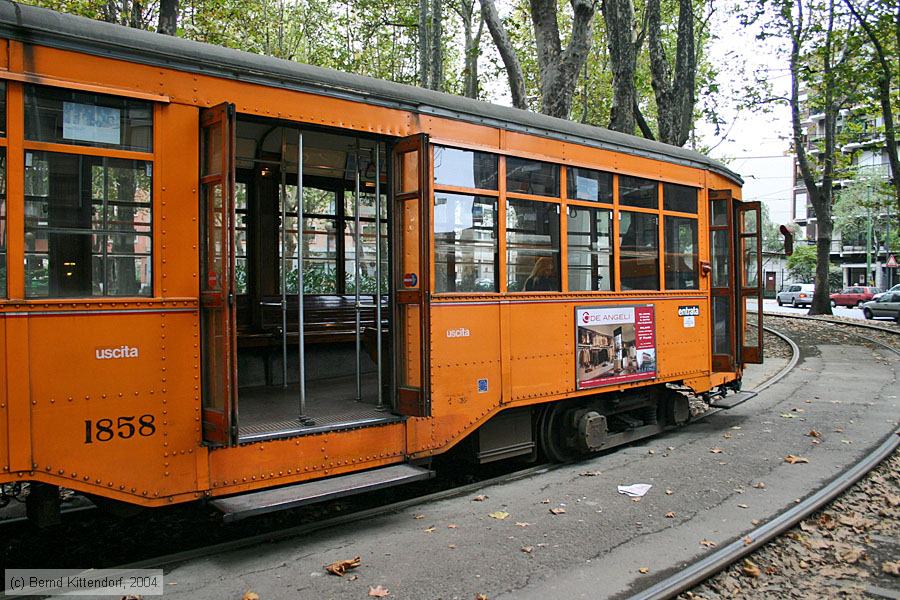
(545, 501)
(727, 436)
(499, 514)
(838, 430)
(250, 596)
(708, 543)
(342, 566)
(452, 526)
(523, 524)
(417, 517)
(527, 549)
(851, 555)
(479, 498)
(430, 529)
(669, 492)
(736, 427)
(891, 568)
(379, 591)
(591, 473)
(716, 450)
(759, 485)
(750, 570)
(644, 570)
(742, 506)
(788, 416)
(670, 515)
(451, 546)
(748, 540)
(793, 460)
(481, 597)
(558, 511)
(814, 433)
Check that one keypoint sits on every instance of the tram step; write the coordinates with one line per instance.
(235, 508)
(733, 400)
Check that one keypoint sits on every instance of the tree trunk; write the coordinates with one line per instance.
(168, 17)
(507, 53)
(423, 43)
(619, 18)
(466, 10)
(436, 78)
(560, 68)
(674, 91)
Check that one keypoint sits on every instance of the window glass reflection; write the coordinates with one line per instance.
(532, 177)
(634, 191)
(465, 243)
(639, 251)
(532, 246)
(590, 249)
(465, 168)
(586, 184)
(681, 254)
(680, 198)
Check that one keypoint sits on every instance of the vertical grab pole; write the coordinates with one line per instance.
(380, 405)
(357, 255)
(301, 343)
(283, 198)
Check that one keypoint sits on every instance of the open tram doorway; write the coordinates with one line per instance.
(309, 210)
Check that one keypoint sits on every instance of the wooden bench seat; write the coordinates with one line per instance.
(327, 319)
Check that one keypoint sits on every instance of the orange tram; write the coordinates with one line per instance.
(229, 277)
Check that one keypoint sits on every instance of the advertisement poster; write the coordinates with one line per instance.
(615, 345)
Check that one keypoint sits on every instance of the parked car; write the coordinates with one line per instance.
(888, 305)
(854, 296)
(798, 294)
(896, 288)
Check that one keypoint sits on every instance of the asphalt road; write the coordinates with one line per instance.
(598, 547)
(770, 306)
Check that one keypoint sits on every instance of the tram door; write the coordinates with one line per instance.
(217, 313)
(411, 204)
(721, 245)
(747, 216)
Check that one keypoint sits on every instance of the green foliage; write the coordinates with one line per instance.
(867, 199)
(802, 264)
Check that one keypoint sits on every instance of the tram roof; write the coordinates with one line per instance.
(49, 28)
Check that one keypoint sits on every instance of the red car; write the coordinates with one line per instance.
(854, 296)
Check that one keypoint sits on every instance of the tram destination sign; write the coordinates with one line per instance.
(616, 344)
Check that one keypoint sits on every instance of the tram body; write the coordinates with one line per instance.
(467, 268)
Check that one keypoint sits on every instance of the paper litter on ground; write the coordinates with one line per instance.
(636, 490)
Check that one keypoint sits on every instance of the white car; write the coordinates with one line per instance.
(796, 294)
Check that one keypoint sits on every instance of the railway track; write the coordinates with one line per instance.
(710, 565)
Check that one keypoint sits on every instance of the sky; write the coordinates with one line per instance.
(757, 143)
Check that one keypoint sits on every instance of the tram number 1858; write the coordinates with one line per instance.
(104, 430)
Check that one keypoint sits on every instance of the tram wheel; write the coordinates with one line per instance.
(551, 434)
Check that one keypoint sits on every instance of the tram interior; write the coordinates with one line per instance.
(339, 359)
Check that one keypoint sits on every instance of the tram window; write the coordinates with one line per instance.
(532, 177)
(532, 246)
(2, 222)
(590, 249)
(464, 168)
(367, 271)
(465, 243)
(240, 238)
(639, 251)
(87, 226)
(319, 257)
(721, 325)
(75, 117)
(586, 184)
(680, 198)
(719, 253)
(634, 191)
(681, 253)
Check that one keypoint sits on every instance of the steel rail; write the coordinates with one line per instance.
(825, 319)
(722, 558)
